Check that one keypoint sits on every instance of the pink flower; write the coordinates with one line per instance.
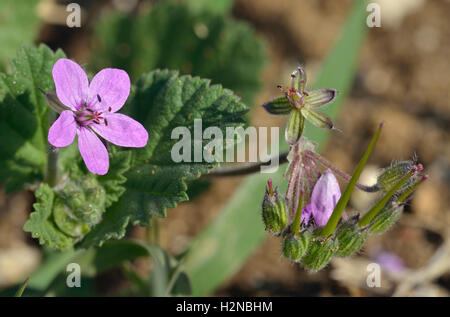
(91, 111)
(324, 198)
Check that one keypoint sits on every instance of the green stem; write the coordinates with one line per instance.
(51, 176)
(22, 288)
(153, 232)
(298, 216)
(174, 278)
(379, 205)
(408, 192)
(52, 167)
(342, 203)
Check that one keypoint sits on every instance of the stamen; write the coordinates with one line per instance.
(106, 122)
(98, 98)
(109, 109)
(293, 81)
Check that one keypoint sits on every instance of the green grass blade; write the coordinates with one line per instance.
(367, 218)
(22, 288)
(342, 203)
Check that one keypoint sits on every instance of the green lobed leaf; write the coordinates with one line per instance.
(41, 223)
(163, 100)
(182, 36)
(13, 31)
(24, 121)
(77, 204)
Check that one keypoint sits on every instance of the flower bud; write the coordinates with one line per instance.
(81, 202)
(320, 252)
(274, 212)
(350, 237)
(391, 175)
(294, 127)
(386, 218)
(295, 246)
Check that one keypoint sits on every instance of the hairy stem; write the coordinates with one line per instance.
(324, 162)
(51, 176)
(243, 169)
(250, 168)
(365, 220)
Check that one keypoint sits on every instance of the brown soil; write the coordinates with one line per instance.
(402, 78)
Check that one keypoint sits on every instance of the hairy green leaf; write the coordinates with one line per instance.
(163, 101)
(13, 31)
(74, 206)
(24, 121)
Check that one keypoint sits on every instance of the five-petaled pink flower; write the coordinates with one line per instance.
(92, 111)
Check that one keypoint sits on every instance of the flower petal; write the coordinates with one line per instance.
(320, 97)
(63, 130)
(93, 151)
(71, 82)
(324, 198)
(109, 88)
(122, 130)
(306, 214)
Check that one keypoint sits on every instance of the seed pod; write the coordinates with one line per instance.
(320, 252)
(280, 105)
(350, 237)
(274, 212)
(391, 175)
(295, 246)
(386, 218)
(294, 127)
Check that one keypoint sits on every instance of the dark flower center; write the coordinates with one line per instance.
(86, 116)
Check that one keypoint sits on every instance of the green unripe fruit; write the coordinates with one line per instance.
(386, 218)
(320, 252)
(350, 238)
(392, 175)
(274, 211)
(295, 246)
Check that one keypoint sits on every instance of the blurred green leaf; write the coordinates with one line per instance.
(166, 278)
(19, 292)
(219, 7)
(53, 264)
(180, 36)
(18, 25)
(24, 121)
(41, 223)
(221, 249)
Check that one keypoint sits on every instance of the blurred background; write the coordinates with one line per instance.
(251, 46)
